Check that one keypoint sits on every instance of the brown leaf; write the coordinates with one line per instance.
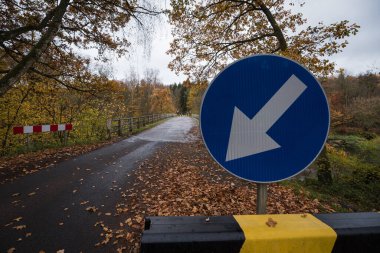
(20, 227)
(129, 222)
(129, 236)
(17, 219)
(91, 209)
(139, 219)
(11, 250)
(271, 223)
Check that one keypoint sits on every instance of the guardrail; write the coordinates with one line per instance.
(124, 126)
(276, 233)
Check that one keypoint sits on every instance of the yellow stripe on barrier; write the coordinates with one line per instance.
(286, 233)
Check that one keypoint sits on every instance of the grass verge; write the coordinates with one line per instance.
(355, 167)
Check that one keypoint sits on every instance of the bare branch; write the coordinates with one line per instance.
(8, 35)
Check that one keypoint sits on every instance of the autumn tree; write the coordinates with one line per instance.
(368, 83)
(196, 92)
(210, 34)
(39, 37)
(161, 100)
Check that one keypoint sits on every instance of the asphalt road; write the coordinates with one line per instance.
(52, 202)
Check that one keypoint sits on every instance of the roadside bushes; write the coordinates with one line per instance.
(354, 163)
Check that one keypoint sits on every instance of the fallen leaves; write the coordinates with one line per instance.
(20, 227)
(129, 222)
(107, 234)
(91, 209)
(182, 179)
(138, 219)
(15, 167)
(271, 223)
(17, 219)
(11, 250)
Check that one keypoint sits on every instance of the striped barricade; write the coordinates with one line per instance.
(275, 233)
(42, 128)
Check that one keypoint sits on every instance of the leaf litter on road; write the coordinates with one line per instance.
(15, 167)
(182, 179)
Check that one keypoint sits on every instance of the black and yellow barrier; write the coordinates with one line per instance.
(275, 233)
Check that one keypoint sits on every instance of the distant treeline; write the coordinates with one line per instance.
(36, 102)
(354, 101)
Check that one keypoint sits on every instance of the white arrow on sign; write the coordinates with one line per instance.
(249, 136)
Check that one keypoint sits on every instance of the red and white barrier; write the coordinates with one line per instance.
(42, 128)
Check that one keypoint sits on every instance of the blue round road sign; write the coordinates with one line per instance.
(264, 118)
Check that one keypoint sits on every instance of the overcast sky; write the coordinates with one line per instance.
(362, 54)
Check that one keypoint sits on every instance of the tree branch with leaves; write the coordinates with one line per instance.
(39, 37)
(210, 34)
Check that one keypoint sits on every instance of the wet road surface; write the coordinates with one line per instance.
(46, 210)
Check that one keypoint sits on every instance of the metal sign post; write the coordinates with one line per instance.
(261, 201)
